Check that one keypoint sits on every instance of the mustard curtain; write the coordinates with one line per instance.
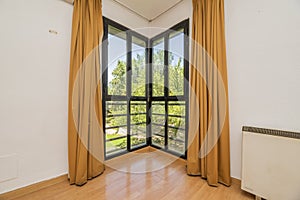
(85, 140)
(208, 99)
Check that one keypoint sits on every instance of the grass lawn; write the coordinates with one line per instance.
(122, 143)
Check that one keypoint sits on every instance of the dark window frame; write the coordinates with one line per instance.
(148, 98)
(166, 98)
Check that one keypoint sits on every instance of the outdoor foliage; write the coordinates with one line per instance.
(117, 86)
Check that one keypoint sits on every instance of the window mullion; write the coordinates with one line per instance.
(128, 86)
(149, 51)
(166, 84)
(104, 78)
(186, 82)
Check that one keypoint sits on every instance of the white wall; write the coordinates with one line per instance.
(263, 51)
(34, 70)
(34, 73)
(263, 48)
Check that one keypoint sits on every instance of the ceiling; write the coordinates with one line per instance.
(69, 1)
(148, 9)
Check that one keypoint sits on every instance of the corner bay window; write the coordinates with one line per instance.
(145, 89)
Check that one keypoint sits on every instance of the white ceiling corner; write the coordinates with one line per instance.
(149, 9)
(69, 1)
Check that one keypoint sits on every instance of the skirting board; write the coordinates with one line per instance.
(33, 188)
(41, 185)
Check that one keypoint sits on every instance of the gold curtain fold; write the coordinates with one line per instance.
(85, 140)
(207, 103)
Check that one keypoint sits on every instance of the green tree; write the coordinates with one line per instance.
(138, 76)
(158, 73)
(117, 86)
(176, 78)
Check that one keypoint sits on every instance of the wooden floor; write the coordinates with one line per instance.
(170, 182)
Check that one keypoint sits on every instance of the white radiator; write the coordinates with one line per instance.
(271, 163)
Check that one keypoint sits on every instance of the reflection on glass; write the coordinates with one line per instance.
(158, 68)
(115, 113)
(176, 108)
(114, 146)
(176, 146)
(176, 126)
(158, 123)
(138, 87)
(138, 123)
(176, 63)
(115, 126)
(138, 135)
(137, 107)
(116, 61)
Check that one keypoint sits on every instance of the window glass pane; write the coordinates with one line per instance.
(116, 113)
(176, 145)
(138, 118)
(158, 112)
(158, 123)
(176, 134)
(116, 107)
(138, 135)
(158, 140)
(176, 63)
(114, 145)
(116, 61)
(176, 126)
(158, 107)
(115, 120)
(158, 68)
(137, 107)
(115, 126)
(176, 122)
(176, 108)
(138, 123)
(138, 86)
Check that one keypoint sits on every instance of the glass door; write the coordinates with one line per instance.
(145, 89)
(138, 100)
(124, 89)
(169, 90)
